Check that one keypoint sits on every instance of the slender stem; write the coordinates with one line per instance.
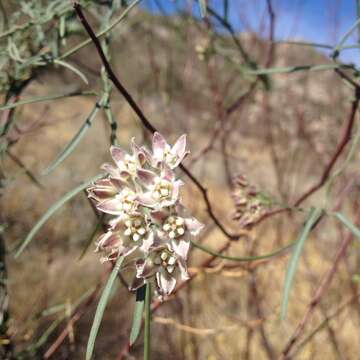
(243, 258)
(46, 98)
(101, 33)
(147, 322)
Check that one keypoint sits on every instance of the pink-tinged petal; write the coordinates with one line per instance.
(138, 188)
(103, 182)
(176, 190)
(179, 148)
(167, 173)
(180, 159)
(136, 283)
(178, 183)
(159, 216)
(158, 144)
(118, 183)
(162, 236)
(134, 146)
(183, 269)
(112, 206)
(181, 248)
(138, 152)
(116, 222)
(148, 156)
(111, 170)
(146, 177)
(193, 226)
(146, 199)
(101, 193)
(157, 245)
(145, 268)
(147, 243)
(141, 158)
(118, 155)
(180, 209)
(167, 203)
(108, 240)
(165, 282)
(125, 251)
(124, 174)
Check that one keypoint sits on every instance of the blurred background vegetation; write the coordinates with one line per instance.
(279, 128)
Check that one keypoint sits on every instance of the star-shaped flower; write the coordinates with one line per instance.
(176, 227)
(163, 263)
(162, 152)
(126, 234)
(161, 191)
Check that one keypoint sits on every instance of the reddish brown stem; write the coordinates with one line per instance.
(146, 122)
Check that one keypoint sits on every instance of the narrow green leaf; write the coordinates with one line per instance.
(314, 215)
(73, 69)
(138, 311)
(55, 309)
(304, 43)
(101, 308)
(292, 69)
(352, 227)
(71, 145)
(31, 22)
(56, 206)
(52, 310)
(147, 322)
(241, 258)
(101, 33)
(36, 99)
(338, 47)
(316, 45)
(203, 8)
(44, 337)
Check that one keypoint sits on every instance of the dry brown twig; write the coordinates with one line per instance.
(345, 138)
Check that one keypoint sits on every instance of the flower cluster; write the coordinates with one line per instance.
(143, 194)
(250, 204)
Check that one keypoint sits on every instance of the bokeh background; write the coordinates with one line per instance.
(188, 75)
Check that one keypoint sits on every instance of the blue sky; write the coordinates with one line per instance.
(321, 21)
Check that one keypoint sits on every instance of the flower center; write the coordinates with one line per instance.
(127, 200)
(162, 189)
(130, 164)
(166, 260)
(135, 228)
(169, 158)
(174, 226)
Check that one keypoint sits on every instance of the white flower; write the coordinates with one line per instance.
(162, 191)
(176, 227)
(124, 202)
(125, 235)
(163, 263)
(127, 164)
(164, 153)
